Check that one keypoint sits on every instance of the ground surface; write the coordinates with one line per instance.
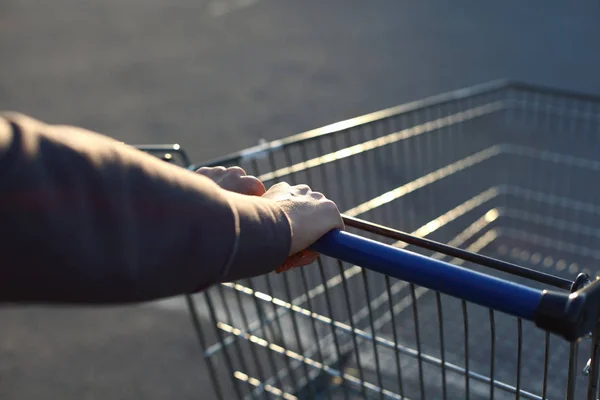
(216, 77)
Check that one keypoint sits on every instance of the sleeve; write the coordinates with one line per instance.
(87, 219)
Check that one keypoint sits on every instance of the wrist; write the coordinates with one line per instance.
(265, 237)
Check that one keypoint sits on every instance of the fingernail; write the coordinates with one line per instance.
(285, 267)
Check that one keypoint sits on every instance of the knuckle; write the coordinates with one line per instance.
(280, 186)
(302, 189)
(330, 205)
(210, 170)
(236, 171)
(317, 195)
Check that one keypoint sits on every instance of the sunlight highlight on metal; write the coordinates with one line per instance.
(312, 363)
(529, 237)
(425, 180)
(271, 389)
(383, 141)
(551, 222)
(551, 199)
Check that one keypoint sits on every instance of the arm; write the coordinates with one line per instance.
(84, 218)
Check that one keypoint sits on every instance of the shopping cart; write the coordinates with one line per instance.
(490, 296)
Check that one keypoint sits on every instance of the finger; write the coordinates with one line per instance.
(236, 172)
(308, 258)
(210, 172)
(279, 186)
(203, 170)
(301, 189)
(299, 259)
(333, 212)
(252, 186)
(317, 195)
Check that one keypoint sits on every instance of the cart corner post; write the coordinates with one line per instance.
(575, 317)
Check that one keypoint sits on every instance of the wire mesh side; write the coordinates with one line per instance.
(495, 173)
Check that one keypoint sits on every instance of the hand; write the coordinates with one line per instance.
(311, 216)
(234, 179)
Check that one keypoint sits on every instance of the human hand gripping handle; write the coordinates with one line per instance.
(311, 215)
(234, 179)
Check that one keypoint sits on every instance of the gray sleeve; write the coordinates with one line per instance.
(87, 219)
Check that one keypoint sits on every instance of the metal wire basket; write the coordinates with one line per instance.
(506, 172)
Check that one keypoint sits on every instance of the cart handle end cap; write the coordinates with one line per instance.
(571, 316)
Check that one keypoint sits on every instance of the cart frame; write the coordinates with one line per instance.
(571, 311)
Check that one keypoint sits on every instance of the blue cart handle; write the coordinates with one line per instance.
(558, 312)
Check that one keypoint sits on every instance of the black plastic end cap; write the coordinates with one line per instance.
(551, 313)
(571, 316)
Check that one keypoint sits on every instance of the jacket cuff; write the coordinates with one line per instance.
(263, 241)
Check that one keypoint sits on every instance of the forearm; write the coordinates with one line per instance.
(84, 218)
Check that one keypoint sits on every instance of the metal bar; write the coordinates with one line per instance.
(438, 300)
(530, 87)
(296, 329)
(253, 352)
(459, 253)
(574, 349)
(466, 343)
(169, 148)
(314, 328)
(395, 336)
(519, 355)
(573, 372)
(592, 391)
(354, 170)
(202, 340)
(546, 361)
(492, 352)
(264, 325)
(371, 323)
(229, 317)
(219, 333)
(354, 341)
(375, 185)
(336, 341)
(282, 335)
(485, 290)
(418, 340)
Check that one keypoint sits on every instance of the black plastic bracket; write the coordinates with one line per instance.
(573, 315)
